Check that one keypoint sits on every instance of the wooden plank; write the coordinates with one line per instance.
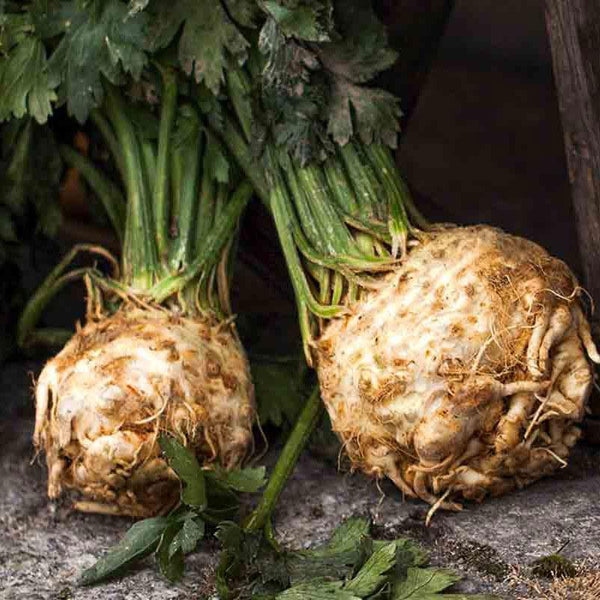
(574, 32)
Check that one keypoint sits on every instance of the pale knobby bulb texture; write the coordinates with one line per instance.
(119, 382)
(466, 373)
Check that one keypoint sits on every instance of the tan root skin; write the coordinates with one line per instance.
(464, 375)
(118, 383)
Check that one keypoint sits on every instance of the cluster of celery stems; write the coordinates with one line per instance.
(175, 221)
(340, 224)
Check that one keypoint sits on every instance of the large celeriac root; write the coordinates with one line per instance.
(467, 373)
(120, 381)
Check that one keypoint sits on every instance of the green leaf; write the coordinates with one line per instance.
(315, 81)
(420, 582)
(244, 12)
(25, 84)
(240, 550)
(170, 563)
(294, 97)
(348, 534)
(210, 106)
(215, 162)
(361, 51)
(103, 40)
(187, 537)
(424, 584)
(240, 480)
(209, 39)
(372, 114)
(317, 589)
(184, 462)
(230, 535)
(141, 539)
(310, 21)
(372, 575)
(278, 395)
(348, 547)
(408, 554)
(361, 54)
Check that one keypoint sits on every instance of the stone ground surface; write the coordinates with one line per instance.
(43, 546)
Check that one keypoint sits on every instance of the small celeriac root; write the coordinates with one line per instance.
(120, 381)
(468, 372)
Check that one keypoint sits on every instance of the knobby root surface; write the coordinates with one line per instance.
(467, 373)
(102, 402)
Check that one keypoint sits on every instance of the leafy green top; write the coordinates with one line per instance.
(312, 60)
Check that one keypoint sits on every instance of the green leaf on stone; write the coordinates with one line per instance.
(141, 539)
(187, 538)
(420, 583)
(425, 584)
(317, 589)
(347, 549)
(372, 574)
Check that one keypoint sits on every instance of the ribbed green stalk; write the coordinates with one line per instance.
(338, 288)
(206, 257)
(140, 253)
(340, 186)
(55, 281)
(398, 222)
(367, 188)
(161, 184)
(315, 185)
(304, 426)
(187, 159)
(239, 88)
(206, 209)
(383, 163)
(279, 206)
(311, 226)
(149, 159)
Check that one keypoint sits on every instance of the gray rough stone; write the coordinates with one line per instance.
(43, 545)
